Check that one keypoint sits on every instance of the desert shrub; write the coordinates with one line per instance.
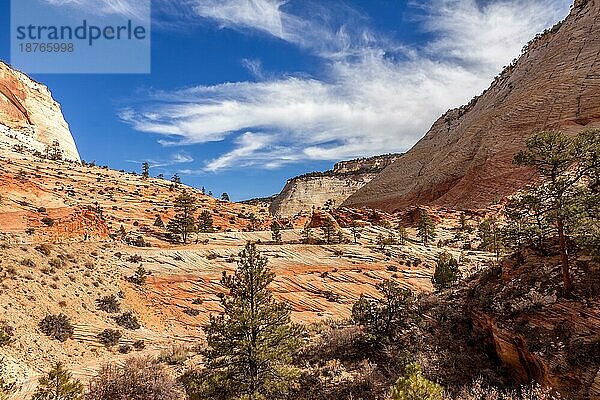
(6, 334)
(414, 386)
(139, 345)
(56, 263)
(28, 262)
(42, 210)
(477, 391)
(125, 349)
(139, 277)
(45, 249)
(128, 320)
(383, 318)
(57, 326)
(47, 221)
(134, 259)
(109, 304)
(176, 355)
(191, 311)
(137, 379)
(109, 337)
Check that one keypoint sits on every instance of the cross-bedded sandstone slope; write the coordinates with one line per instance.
(465, 160)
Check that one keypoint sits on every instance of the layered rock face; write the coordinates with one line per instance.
(30, 119)
(315, 189)
(465, 160)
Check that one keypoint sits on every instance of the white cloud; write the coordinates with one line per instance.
(374, 96)
(175, 159)
(135, 9)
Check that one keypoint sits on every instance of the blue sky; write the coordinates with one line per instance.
(245, 94)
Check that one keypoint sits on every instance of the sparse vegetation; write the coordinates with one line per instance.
(137, 379)
(128, 320)
(57, 326)
(139, 277)
(109, 304)
(58, 384)
(110, 337)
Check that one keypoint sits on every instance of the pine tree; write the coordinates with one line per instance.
(491, 237)
(426, 227)
(446, 271)
(183, 222)
(276, 232)
(159, 222)
(58, 385)
(122, 231)
(402, 235)
(571, 170)
(380, 241)
(145, 170)
(307, 234)
(414, 386)
(225, 197)
(250, 345)
(384, 317)
(355, 231)
(175, 179)
(205, 222)
(464, 225)
(328, 229)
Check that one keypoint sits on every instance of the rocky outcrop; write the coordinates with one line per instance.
(315, 189)
(536, 334)
(465, 160)
(30, 119)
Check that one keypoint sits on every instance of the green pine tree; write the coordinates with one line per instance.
(414, 386)
(183, 223)
(307, 234)
(426, 227)
(159, 222)
(58, 385)
(276, 232)
(205, 222)
(569, 194)
(145, 170)
(250, 345)
(225, 197)
(490, 235)
(355, 231)
(446, 271)
(328, 229)
(402, 235)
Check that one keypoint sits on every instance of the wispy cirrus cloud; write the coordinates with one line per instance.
(127, 8)
(373, 96)
(175, 159)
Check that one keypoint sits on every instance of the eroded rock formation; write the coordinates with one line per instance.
(30, 118)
